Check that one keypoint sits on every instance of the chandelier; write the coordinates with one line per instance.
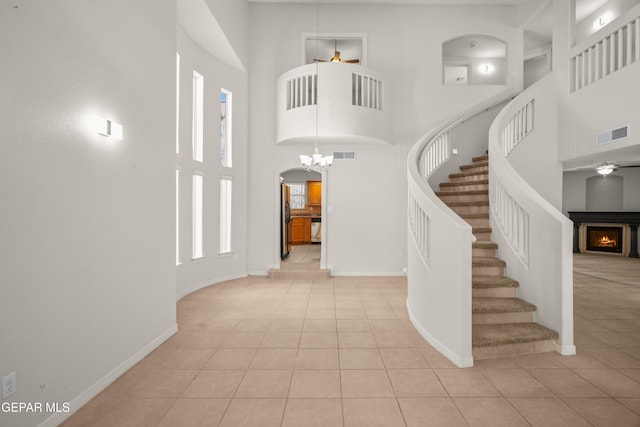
(316, 161)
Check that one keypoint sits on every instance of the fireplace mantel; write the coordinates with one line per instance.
(620, 217)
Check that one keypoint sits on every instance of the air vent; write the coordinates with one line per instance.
(612, 135)
(344, 155)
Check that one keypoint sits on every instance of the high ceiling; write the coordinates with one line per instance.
(440, 2)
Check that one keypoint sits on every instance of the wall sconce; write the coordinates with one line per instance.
(601, 21)
(107, 128)
(486, 68)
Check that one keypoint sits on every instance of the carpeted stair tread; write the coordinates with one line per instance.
(472, 203)
(487, 282)
(463, 183)
(500, 305)
(510, 333)
(480, 158)
(484, 244)
(473, 215)
(462, 193)
(466, 174)
(487, 262)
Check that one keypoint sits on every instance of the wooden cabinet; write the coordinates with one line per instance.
(314, 193)
(300, 232)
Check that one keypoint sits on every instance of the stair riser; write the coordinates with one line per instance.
(471, 209)
(447, 198)
(476, 167)
(484, 353)
(466, 187)
(469, 178)
(477, 222)
(484, 253)
(494, 292)
(492, 271)
(498, 318)
(484, 237)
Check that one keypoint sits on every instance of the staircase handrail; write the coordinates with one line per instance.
(522, 219)
(439, 281)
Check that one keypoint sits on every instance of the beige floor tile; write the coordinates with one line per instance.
(565, 383)
(372, 413)
(353, 325)
(176, 358)
(315, 384)
(319, 325)
(280, 340)
(547, 412)
(539, 361)
(366, 383)
(317, 358)
(380, 314)
(320, 314)
(400, 358)
(285, 325)
(265, 383)
(465, 383)
(615, 358)
(313, 412)
(254, 413)
(214, 384)
(356, 340)
(612, 382)
(515, 383)
(231, 359)
(243, 340)
(489, 412)
(350, 313)
(386, 325)
(434, 358)
(633, 404)
(196, 339)
(119, 412)
(581, 361)
(252, 325)
(394, 339)
(195, 413)
(431, 412)
(162, 384)
(360, 358)
(416, 383)
(319, 340)
(274, 358)
(603, 412)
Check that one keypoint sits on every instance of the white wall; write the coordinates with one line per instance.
(575, 189)
(212, 268)
(366, 227)
(87, 270)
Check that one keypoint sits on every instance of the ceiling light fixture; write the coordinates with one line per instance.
(605, 169)
(316, 160)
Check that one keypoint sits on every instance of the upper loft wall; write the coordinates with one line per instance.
(404, 42)
(233, 16)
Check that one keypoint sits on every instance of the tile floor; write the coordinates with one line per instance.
(254, 352)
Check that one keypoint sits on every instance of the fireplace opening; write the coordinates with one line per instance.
(604, 239)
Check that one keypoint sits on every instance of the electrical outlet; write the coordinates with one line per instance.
(8, 385)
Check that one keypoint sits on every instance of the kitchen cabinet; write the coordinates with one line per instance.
(314, 193)
(300, 230)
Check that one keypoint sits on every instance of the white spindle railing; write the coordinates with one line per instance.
(420, 225)
(594, 60)
(302, 91)
(533, 236)
(366, 91)
(435, 154)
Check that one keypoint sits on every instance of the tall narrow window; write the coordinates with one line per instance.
(225, 214)
(177, 216)
(197, 132)
(225, 128)
(198, 228)
(177, 103)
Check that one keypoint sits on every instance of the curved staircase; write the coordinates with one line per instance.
(503, 325)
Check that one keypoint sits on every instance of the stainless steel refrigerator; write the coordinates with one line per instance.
(285, 219)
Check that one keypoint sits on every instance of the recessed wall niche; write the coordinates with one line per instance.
(605, 194)
(474, 60)
(323, 47)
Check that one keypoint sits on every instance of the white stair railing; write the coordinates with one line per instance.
(439, 249)
(534, 237)
(603, 54)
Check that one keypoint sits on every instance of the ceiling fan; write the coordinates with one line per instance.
(336, 56)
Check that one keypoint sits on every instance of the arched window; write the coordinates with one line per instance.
(474, 60)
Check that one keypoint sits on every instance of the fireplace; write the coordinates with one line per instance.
(604, 239)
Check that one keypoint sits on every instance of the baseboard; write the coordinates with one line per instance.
(460, 362)
(258, 273)
(84, 397)
(209, 282)
(567, 350)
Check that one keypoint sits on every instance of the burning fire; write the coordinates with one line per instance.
(605, 241)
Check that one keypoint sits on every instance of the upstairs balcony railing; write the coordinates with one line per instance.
(607, 51)
(333, 101)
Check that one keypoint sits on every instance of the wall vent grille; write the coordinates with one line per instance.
(344, 155)
(612, 135)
